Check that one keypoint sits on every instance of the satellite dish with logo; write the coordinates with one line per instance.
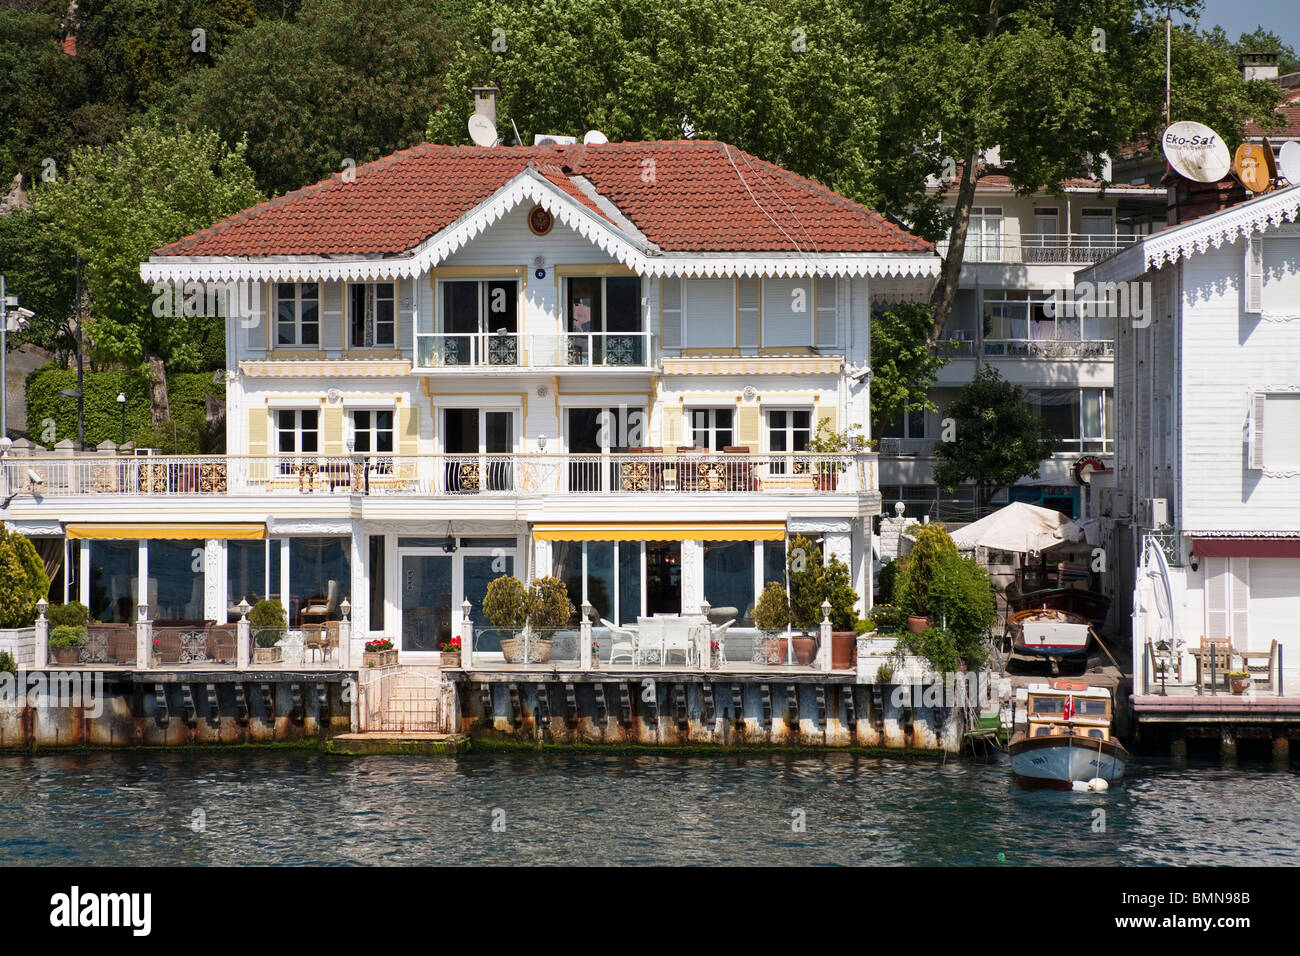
(1251, 166)
(595, 136)
(481, 130)
(1288, 162)
(1196, 152)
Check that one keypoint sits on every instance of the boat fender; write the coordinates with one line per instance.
(1098, 785)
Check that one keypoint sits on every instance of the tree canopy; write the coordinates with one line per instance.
(119, 202)
(996, 438)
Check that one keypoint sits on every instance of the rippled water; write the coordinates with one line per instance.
(269, 807)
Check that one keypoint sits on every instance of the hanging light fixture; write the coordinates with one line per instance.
(449, 545)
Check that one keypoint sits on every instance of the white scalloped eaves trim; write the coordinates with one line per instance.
(1220, 533)
(1266, 212)
(529, 185)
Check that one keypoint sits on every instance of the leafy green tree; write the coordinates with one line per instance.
(39, 268)
(1052, 85)
(346, 79)
(23, 580)
(794, 83)
(997, 439)
(903, 365)
(960, 600)
(813, 579)
(1258, 40)
(121, 201)
(917, 569)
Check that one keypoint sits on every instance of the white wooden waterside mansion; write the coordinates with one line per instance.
(602, 362)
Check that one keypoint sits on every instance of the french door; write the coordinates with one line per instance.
(478, 443)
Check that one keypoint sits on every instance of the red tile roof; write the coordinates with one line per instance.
(1290, 114)
(683, 195)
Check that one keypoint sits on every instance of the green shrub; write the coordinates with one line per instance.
(885, 581)
(937, 646)
(23, 580)
(186, 433)
(863, 625)
(772, 612)
(548, 603)
(67, 635)
(266, 613)
(812, 582)
(961, 599)
(505, 604)
(888, 618)
(7, 663)
(74, 613)
(912, 585)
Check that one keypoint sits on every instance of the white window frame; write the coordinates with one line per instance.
(298, 300)
(484, 307)
(711, 427)
(372, 290)
(778, 466)
(373, 430)
(287, 458)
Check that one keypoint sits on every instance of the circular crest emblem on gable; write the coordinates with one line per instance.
(540, 221)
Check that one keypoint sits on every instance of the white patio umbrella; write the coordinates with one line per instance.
(1019, 527)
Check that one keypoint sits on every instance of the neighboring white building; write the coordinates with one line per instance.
(1019, 249)
(603, 362)
(1208, 428)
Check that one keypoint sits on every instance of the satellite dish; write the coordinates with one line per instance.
(595, 136)
(1251, 166)
(482, 131)
(1288, 162)
(1196, 152)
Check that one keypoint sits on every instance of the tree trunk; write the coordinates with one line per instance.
(945, 290)
(159, 410)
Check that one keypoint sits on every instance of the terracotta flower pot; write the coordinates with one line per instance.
(917, 623)
(1239, 685)
(843, 650)
(804, 649)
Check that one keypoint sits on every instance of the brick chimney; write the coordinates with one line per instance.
(1258, 66)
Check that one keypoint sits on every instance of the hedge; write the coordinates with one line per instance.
(186, 392)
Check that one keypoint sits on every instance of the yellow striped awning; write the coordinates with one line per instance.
(662, 531)
(134, 532)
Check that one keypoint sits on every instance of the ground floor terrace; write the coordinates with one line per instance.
(663, 595)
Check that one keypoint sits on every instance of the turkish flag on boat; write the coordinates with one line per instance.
(1069, 707)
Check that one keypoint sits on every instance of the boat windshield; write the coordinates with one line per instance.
(1050, 705)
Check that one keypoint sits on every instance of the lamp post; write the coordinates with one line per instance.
(121, 403)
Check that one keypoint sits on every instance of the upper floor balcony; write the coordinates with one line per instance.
(511, 350)
(1068, 248)
(644, 472)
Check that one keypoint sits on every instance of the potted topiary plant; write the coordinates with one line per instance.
(66, 642)
(268, 624)
(772, 617)
(549, 609)
(917, 570)
(812, 582)
(827, 441)
(505, 605)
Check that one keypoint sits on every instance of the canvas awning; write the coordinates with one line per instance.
(661, 531)
(1246, 547)
(1018, 527)
(174, 532)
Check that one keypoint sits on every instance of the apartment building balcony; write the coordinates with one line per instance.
(636, 475)
(504, 351)
(1041, 248)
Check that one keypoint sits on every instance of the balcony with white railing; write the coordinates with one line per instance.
(509, 350)
(1073, 248)
(492, 475)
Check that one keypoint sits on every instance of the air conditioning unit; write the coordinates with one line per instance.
(554, 139)
(1153, 512)
(891, 446)
(1114, 502)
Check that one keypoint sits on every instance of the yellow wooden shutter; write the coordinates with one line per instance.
(749, 427)
(831, 414)
(408, 437)
(332, 430)
(257, 430)
(672, 427)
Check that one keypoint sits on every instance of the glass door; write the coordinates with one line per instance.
(427, 594)
(478, 444)
(478, 569)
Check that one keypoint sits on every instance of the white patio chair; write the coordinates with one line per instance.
(649, 639)
(622, 642)
(677, 639)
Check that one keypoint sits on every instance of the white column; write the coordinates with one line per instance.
(42, 638)
(142, 579)
(860, 566)
(345, 636)
(824, 645)
(243, 638)
(692, 575)
(214, 579)
(584, 637)
(143, 640)
(360, 554)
